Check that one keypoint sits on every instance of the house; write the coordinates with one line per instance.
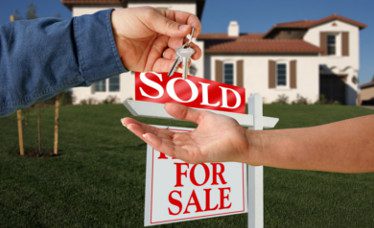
(367, 93)
(309, 58)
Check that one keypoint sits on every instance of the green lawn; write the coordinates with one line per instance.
(99, 178)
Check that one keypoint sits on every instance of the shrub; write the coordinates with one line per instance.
(89, 101)
(321, 100)
(110, 100)
(300, 100)
(282, 99)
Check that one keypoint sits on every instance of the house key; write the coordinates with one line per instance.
(184, 54)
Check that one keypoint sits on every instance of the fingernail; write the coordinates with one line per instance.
(183, 27)
(122, 122)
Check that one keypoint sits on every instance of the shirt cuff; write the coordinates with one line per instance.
(96, 49)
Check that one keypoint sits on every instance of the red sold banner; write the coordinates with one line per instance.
(193, 91)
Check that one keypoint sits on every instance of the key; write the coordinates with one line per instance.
(176, 63)
(185, 54)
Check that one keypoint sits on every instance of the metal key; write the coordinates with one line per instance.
(185, 54)
(176, 63)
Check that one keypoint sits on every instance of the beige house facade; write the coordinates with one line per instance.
(300, 59)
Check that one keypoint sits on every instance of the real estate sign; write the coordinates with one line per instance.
(178, 191)
(193, 92)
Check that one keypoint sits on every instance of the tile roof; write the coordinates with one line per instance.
(224, 36)
(263, 46)
(367, 85)
(307, 24)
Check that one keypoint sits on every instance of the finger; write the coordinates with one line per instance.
(184, 18)
(169, 54)
(197, 50)
(157, 21)
(184, 113)
(159, 45)
(175, 42)
(159, 144)
(167, 134)
(136, 130)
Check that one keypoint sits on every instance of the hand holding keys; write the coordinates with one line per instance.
(184, 54)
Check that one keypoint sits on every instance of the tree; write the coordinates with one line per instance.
(31, 12)
(15, 16)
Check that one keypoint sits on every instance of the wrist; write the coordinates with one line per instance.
(254, 151)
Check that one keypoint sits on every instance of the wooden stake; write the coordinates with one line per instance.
(57, 122)
(20, 133)
(38, 122)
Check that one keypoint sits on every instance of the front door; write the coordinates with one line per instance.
(332, 87)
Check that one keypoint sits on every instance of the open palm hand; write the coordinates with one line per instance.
(217, 138)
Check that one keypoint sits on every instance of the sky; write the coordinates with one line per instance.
(252, 15)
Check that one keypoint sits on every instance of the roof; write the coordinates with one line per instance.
(307, 24)
(263, 46)
(225, 36)
(367, 85)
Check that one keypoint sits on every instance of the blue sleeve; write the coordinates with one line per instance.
(42, 57)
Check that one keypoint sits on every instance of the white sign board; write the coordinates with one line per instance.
(177, 191)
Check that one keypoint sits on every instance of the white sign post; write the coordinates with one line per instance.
(166, 192)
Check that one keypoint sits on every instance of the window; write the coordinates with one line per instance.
(281, 74)
(331, 44)
(100, 86)
(228, 70)
(114, 84)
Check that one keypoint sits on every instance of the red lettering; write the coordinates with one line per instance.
(162, 156)
(194, 91)
(224, 197)
(218, 174)
(206, 174)
(193, 201)
(175, 202)
(179, 173)
(207, 200)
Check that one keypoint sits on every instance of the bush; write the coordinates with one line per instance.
(89, 101)
(282, 99)
(110, 100)
(67, 98)
(322, 100)
(300, 100)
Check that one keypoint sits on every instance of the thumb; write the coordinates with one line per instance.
(163, 25)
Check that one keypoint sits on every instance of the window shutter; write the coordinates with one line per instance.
(219, 69)
(293, 77)
(345, 43)
(239, 73)
(323, 43)
(272, 78)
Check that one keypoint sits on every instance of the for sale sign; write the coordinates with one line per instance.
(178, 191)
(193, 91)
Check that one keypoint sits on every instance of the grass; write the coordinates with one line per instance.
(99, 178)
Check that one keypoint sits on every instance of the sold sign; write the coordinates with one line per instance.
(193, 91)
(177, 191)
